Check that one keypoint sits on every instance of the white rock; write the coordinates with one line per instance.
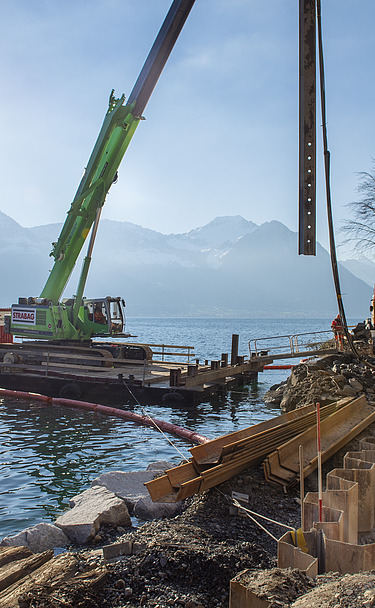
(130, 487)
(93, 507)
(39, 538)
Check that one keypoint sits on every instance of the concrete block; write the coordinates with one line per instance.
(130, 488)
(159, 465)
(39, 538)
(91, 509)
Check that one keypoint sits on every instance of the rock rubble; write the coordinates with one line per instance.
(323, 380)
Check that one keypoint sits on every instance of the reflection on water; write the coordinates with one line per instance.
(48, 454)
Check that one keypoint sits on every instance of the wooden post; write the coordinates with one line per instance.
(319, 450)
(301, 485)
(224, 359)
(307, 126)
(192, 370)
(175, 377)
(234, 351)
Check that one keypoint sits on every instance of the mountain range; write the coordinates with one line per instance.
(230, 267)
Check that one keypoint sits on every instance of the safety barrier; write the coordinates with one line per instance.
(291, 344)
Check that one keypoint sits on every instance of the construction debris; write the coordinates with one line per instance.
(22, 574)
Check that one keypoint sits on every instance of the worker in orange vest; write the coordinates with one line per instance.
(338, 332)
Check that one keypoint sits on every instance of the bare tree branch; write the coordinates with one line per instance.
(360, 230)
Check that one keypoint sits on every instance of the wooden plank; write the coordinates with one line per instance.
(210, 377)
(12, 554)
(189, 488)
(333, 426)
(10, 573)
(336, 431)
(62, 570)
(209, 453)
(54, 572)
(270, 438)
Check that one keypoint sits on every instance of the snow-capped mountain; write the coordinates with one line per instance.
(230, 267)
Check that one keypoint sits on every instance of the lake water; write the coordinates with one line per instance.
(49, 454)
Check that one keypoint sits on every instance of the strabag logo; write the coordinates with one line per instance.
(24, 316)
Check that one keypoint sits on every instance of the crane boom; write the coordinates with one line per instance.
(115, 135)
(47, 317)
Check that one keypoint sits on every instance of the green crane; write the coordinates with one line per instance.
(78, 318)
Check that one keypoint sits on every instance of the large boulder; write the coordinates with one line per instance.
(39, 538)
(91, 509)
(146, 509)
(130, 487)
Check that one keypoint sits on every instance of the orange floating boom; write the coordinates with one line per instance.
(145, 420)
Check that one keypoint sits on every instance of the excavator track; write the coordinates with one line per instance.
(67, 355)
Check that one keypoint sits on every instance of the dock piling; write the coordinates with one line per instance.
(234, 351)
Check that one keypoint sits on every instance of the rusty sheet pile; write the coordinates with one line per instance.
(220, 459)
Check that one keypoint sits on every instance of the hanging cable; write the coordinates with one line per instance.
(327, 158)
(153, 422)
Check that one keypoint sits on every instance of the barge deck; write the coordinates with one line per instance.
(114, 381)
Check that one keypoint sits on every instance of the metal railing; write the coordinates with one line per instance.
(172, 350)
(291, 344)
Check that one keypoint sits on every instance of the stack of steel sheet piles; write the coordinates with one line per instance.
(282, 466)
(216, 461)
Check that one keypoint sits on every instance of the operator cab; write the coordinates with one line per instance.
(106, 315)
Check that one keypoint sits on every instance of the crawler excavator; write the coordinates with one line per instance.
(73, 323)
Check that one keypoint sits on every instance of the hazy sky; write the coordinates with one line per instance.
(221, 135)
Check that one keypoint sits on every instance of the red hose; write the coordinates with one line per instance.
(168, 427)
(23, 395)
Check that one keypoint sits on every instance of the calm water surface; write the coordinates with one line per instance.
(49, 454)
